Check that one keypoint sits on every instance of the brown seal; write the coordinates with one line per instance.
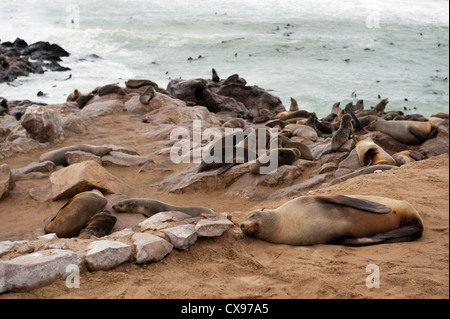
(99, 225)
(369, 153)
(74, 215)
(377, 110)
(73, 96)
(285, 156)
(235, 123)
(406, 132)
(294, 105)
(348, 220)
(343, 134)
(407, 156)
(59, 156)
(149, 207)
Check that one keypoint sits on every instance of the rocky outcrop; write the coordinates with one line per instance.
(42, 124)
(229, 95)
(15, 59)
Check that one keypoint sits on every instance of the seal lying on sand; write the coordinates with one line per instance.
(74, 215)
(149, 207)
(348, 220)
(59, 156)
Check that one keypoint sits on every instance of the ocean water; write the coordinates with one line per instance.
(316, 51)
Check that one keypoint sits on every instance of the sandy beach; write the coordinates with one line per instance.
(229, 267)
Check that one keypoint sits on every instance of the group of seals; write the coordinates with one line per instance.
(348, 220)
(85, 216)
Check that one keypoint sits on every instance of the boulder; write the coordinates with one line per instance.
(179, 115)
(150, 248)
(74, 157)
(212, 228)
(167, 219)
(123, 159)
(181, 237)
(101, 108)
(6, 180)
(78, 178)
(106, 254)
(36, 269)
(42, 124)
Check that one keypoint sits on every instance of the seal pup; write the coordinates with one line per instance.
(72, 217)
(285, 142)
(370, 153)
(148, 207)
(406, 132)
(59, 156)
(99, 225)
(109, 89)
(353, 220)
(285, 156)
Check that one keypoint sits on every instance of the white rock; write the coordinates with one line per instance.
(6, 246)
(181, 237)
(161, 220)
(212, 228)
(150, 247)
(106, 254)
(36, 270)
(49, 236)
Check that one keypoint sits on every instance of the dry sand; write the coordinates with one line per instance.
(226, 267)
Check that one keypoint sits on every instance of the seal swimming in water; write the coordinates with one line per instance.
(74, 215)
(149, 207)
(353, 220)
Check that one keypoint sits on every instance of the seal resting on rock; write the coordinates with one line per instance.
(353, 220)
(369, 153)
(59, 156)
(406, 132)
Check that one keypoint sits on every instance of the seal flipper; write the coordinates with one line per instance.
(421, 136)
(401, 234)
(357, 203)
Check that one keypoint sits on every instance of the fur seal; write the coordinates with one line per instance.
(215, 76)
(407, 156)
(353, 220)
(300, 130)
(294, 105)
(343, 133)
(72, 217)
(59, 156)
(73, 96)
(285, 142)
(369, 153)
(285, 156)
(406, 132)
(109, 89)
(377, 110)
(149, 207)
(289, 115)
(235, 123)
(83, 100)
(147, 96)
(99, 225)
